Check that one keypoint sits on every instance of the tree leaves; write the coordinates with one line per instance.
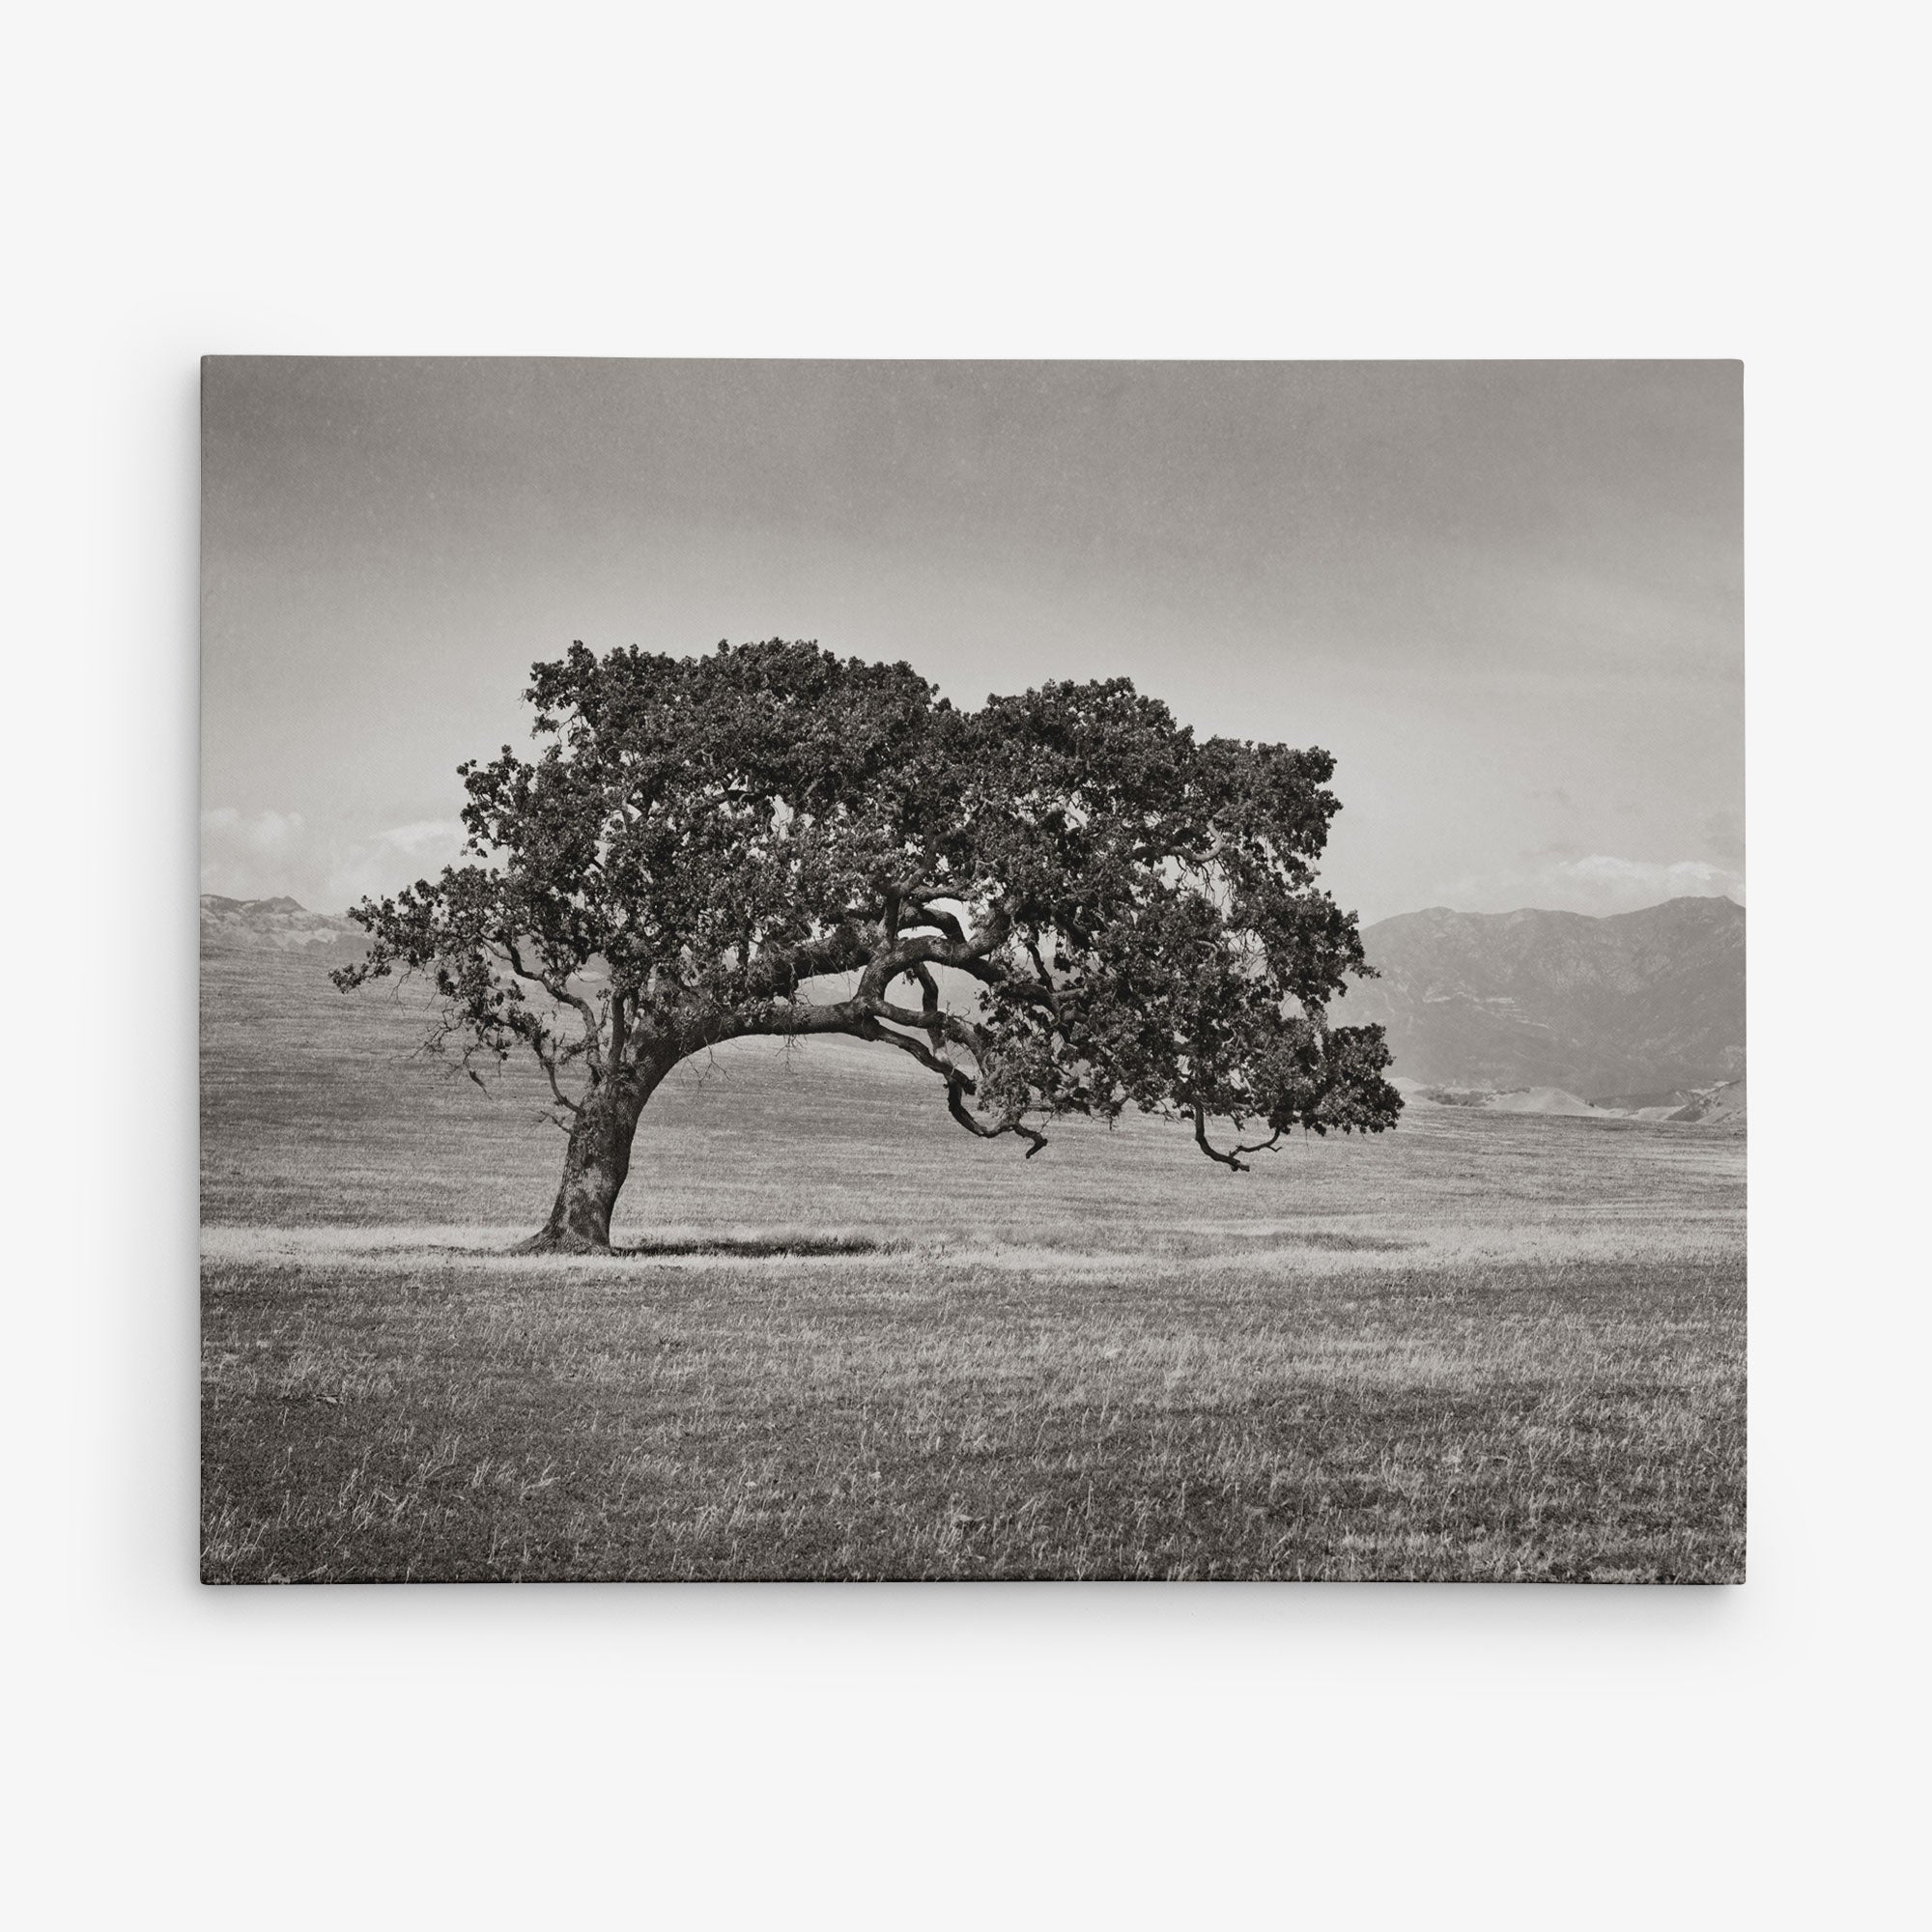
(700, 840)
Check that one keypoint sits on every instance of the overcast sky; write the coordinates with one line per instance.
(1508, 596)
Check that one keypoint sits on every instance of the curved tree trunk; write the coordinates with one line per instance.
(595, 1165)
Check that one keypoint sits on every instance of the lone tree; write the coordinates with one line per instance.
(766, 841)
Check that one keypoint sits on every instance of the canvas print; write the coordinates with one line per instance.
(972, 971)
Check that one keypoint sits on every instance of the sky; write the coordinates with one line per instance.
(1508, 597)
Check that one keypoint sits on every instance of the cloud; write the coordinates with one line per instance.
(252, 832)
(248, 855)
(1597, 884)
(1725, 834)
(425, 837)
(266, 854)
(368, 867)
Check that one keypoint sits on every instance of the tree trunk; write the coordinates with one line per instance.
(595, 1165)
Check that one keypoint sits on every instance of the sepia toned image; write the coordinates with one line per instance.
(972, 971)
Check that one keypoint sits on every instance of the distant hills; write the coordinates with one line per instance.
(277, 925)
(1720, 1105)
(1642, 1013)
(1642, 1010)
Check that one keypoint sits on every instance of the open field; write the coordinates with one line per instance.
(1484, 1347)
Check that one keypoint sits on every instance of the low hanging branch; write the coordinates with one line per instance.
(767, 840)
(1233, 1157)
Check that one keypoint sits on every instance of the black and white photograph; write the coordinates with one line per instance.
(998, 809)
(972, 971)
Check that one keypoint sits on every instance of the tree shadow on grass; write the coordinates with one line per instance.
(1354, 1245)
(756, 1246)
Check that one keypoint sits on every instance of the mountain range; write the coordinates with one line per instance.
(1647, 1008)
(1539, 1012)
(277, 925)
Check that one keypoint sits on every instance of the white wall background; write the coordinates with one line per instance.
(1031, 180)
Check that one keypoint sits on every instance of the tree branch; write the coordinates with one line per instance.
(930, 988)
(955, 1089)
(970, 955)
(1213, 1153)
(548, 1062)
(946, 924)
(780, 971)
(930, 1021)
(920, 1051)
(559, 991)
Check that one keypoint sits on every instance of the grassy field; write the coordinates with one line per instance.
(856, 1343)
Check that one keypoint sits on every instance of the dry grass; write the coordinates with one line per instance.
(866, 1346)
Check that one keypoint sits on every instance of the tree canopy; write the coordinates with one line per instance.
(768, 839)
